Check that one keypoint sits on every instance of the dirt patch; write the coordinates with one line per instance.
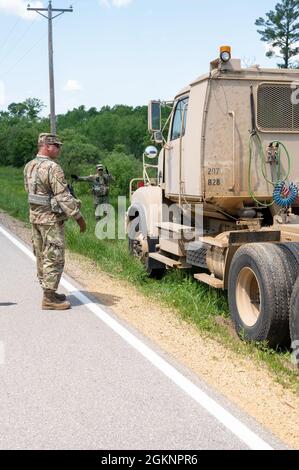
(248, 385)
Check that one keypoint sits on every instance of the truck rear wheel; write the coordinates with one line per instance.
(140, 247)
(294, 320)
(260, 284)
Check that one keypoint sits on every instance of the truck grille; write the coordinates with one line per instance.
(277, 108)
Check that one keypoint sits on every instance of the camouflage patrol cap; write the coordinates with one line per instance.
(100, 167)
(48, 139)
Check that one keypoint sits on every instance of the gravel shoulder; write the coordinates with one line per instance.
(246, 383)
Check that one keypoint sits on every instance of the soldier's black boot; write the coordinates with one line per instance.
(60, 297)
(50, 302)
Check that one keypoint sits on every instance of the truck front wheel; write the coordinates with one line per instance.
(260, 284)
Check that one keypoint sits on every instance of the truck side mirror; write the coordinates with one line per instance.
(151, 152)
(154, 116)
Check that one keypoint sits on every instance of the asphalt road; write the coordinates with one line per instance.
(83, 379)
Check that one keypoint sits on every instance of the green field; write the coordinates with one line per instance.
(194, 302)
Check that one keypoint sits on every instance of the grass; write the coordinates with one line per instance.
(196, 303)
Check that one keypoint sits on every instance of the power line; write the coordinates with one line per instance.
(21, 37)
(2, 75)
(9, 33)
(18, 41)
(22, 57)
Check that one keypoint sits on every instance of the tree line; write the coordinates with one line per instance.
(90, 133)
(115, 136)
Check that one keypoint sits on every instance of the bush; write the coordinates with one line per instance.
(76, 151)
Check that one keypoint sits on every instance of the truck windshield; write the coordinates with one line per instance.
(179, 114)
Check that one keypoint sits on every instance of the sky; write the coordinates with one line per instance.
(111, 52)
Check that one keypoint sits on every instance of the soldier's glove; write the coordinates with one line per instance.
(75, 177)
(82, 224)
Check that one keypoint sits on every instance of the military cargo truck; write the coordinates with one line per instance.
(223, 200)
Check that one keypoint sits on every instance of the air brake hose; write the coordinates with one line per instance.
(284, 195)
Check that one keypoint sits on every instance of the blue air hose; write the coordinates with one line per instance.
(284, 194)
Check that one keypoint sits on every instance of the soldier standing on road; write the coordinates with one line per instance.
(100, 188)
(51, 204)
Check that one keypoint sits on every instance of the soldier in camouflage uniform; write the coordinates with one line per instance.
(51, 204)
(100, 189)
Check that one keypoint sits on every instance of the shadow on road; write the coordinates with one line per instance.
(98, 298)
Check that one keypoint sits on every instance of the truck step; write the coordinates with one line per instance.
(175, 228)
(210, 280)
(214, 242)
(173, 263)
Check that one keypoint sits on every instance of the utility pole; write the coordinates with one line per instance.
(50, 19)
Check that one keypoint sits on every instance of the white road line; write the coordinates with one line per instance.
(234, 425)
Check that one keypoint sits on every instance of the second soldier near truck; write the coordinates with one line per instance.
(100, 189)
(51, 204)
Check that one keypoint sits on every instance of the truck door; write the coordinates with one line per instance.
(174, 155)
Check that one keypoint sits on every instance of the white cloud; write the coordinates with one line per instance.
(115, 3)
(19, 8)
(2, 93)
(72, 85)
(121, 3)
